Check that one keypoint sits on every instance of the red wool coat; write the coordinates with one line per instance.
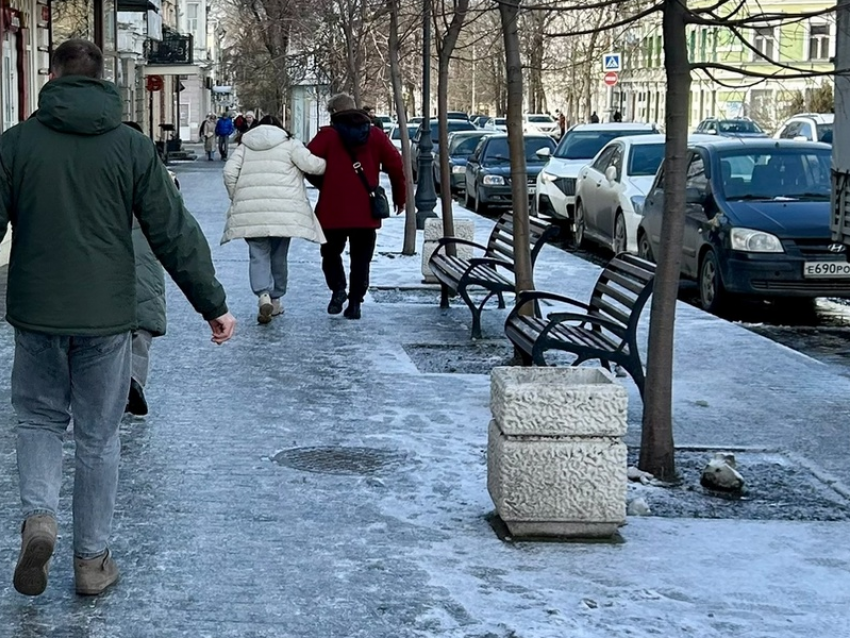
(343, 200)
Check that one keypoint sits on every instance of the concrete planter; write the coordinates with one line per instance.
(556, 464)
(464, 229)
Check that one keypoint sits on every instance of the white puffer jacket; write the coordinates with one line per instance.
(265, 180)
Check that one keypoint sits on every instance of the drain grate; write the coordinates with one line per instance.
(339, 460)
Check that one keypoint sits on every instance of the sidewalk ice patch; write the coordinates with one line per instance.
(340, 460)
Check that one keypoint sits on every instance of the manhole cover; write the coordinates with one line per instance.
(339, 460)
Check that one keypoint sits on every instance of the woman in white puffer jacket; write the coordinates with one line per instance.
(269, 206)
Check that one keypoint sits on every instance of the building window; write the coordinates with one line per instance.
(192, 12)
(765, 43)
(819, 42)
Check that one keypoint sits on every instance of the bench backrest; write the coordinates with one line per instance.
(501, 242)
(621, 292)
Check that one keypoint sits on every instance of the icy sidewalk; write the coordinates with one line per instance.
(307, 480)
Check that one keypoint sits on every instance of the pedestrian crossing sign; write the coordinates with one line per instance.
(611, 62)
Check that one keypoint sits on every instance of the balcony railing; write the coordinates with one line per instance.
(174, 48)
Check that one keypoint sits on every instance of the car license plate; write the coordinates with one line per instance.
(531, 190)
(826, 269)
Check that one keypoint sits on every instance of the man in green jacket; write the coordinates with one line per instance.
(71, 180)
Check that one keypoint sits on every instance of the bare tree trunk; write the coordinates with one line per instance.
(409, 247)
(519, 172)
(446, 46)
(657, 449)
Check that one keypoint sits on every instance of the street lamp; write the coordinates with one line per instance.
(426, 195)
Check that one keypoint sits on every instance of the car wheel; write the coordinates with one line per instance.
(578, 225)
(621, 235)
(645, 248)
(712, 295)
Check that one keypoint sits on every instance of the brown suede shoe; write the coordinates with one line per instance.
(38, 538)
(94, 575)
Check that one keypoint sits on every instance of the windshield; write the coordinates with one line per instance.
(644, 159)
(785, 174)
(396, 134)
(464, 145)
(586, 144)
(498, 152)
(538, 119)
(825, 133)
(500, 121)
(738, 126)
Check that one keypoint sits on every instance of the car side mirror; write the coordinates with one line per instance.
(544, 152)
(611, 173)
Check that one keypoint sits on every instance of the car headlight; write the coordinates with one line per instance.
(458, 170)
(637, 203)
(755, 241)
(493, 180)
(547, 177)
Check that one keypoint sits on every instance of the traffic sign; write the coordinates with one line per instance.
(610, 78)
(611, 62)
(154, 83)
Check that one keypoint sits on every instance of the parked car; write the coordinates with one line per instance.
(453, 125)
(757, 222)
(543, 124)
(611, 191)
(812, 127)
(457, 115)
(735, 127)
(496, 124)
(556, 183)
(395, 134)
(488, 170)
(385, 121)
(480, 121)
(461, 146)
(415, 120)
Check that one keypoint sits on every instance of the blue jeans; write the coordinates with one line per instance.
(53, 378)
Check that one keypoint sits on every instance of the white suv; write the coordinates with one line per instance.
(555, 193)
(809, 127)
(544, 124)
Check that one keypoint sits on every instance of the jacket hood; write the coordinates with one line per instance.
(79, 105)
(353, 127)
(264, 137)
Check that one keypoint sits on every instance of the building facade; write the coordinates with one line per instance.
(807, 45)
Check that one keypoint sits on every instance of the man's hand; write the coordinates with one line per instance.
(222, 328)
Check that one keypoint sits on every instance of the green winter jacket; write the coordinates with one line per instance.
(150, 286)
(71, 179)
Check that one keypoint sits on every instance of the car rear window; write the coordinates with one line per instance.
(498, 151)
(586, 144)
(644, 159)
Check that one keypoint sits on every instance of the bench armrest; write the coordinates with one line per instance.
(491, 261)
(526, 296)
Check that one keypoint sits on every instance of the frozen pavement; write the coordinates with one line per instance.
(219, 536)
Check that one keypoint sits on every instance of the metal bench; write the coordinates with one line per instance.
(456, 274)
(603, 329)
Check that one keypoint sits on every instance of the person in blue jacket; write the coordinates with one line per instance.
(223, 130)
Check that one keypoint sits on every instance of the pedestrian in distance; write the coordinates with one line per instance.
(71, 298)
(594, 118)
(265, 181)
(150, 311)
(224, 130)
(248, 122)
(356, 153)
(207, 135)
(562, 122)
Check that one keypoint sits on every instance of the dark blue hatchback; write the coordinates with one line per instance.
(756, 221)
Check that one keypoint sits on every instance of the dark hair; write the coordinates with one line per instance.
(134, 125)
(271, 120)
(77, 57)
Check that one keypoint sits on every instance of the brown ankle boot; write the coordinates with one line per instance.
(38, 538)
(94, 575)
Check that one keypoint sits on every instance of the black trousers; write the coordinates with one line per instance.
(361, 246)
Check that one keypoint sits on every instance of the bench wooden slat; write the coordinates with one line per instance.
(618, 294)
(609, 311)
(625, 282)
(631, 270)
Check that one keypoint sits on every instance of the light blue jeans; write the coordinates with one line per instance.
(54, 378)
(268, 268)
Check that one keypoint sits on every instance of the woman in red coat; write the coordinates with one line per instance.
(344, 209)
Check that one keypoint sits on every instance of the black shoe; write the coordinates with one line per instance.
(337, 299)
(353, 310)
(136, 403)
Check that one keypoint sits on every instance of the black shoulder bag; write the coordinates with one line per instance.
(377, 196)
